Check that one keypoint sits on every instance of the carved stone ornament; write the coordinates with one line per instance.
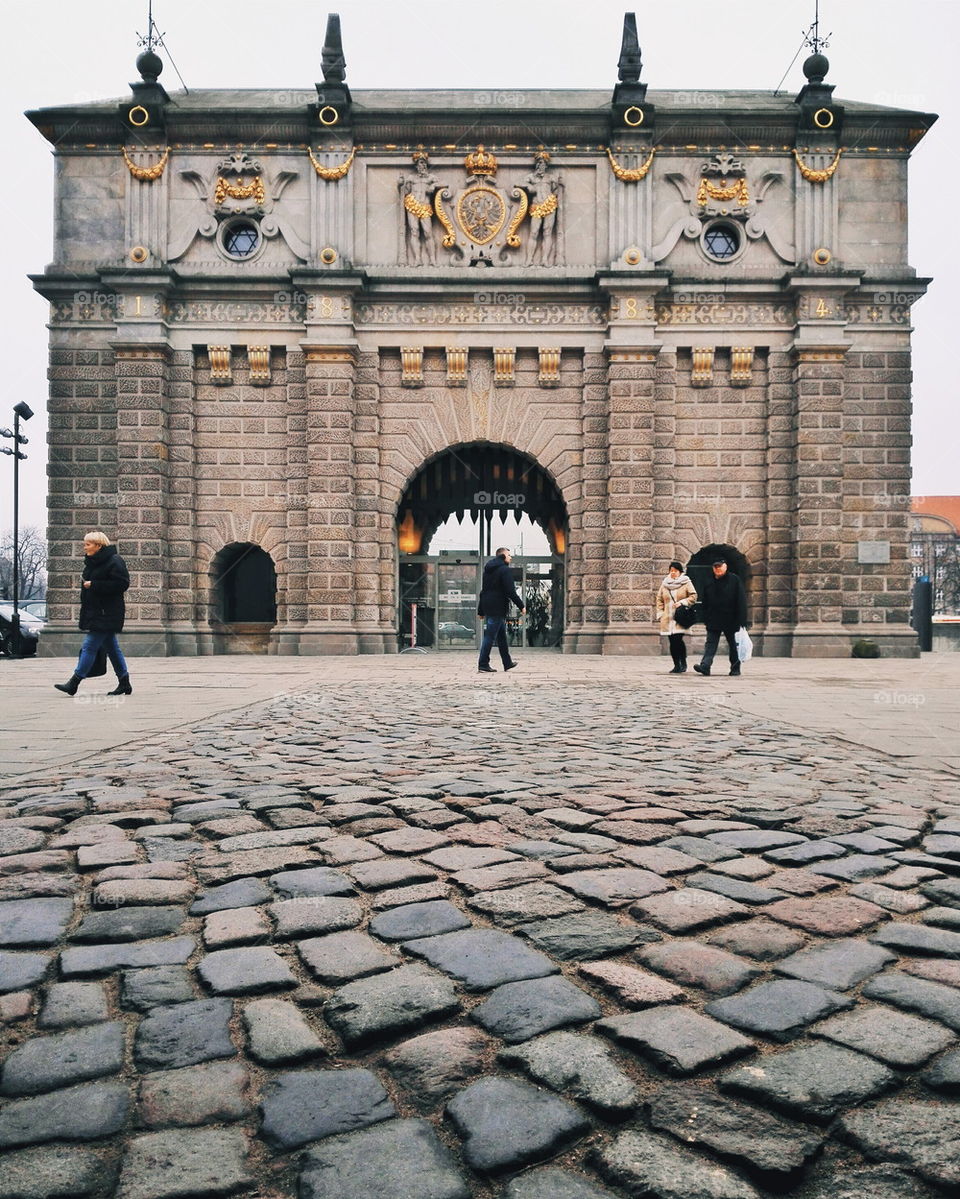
(481, 221)
(238, 186)
(143, 172)
(722, 189)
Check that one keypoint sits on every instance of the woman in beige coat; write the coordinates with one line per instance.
(676, 590)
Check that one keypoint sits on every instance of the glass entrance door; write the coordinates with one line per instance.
(438, 602)
(457, 582)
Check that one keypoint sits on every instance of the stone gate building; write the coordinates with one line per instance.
(292, 331)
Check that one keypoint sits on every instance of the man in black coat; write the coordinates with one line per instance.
(724, 611)
(496, 594)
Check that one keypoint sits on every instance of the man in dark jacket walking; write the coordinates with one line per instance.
(724, 611)
(496, 594)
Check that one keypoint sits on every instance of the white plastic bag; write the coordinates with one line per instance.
(744, 645)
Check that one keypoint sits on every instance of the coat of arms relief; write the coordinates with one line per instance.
(481, 223)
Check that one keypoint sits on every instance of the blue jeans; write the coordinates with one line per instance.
(88, 651)
(494, 630)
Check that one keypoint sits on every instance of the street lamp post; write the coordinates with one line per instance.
(24, 411)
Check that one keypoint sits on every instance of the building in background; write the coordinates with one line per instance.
(293, 332)
(935, 548)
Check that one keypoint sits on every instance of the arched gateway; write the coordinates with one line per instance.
(318, 322)
(437, 592)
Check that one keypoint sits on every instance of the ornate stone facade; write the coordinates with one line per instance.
(692, 312)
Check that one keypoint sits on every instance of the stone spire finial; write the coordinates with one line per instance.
(333, 64)
(630, 63)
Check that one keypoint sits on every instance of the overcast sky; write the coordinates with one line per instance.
(881, 51)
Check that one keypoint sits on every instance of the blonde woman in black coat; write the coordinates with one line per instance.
(102, 611)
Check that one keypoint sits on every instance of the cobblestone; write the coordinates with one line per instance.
(574, 948)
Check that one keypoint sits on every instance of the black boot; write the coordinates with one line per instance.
(123, 686)
(70, 687)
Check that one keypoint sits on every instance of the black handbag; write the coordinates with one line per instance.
(99, 666)
(687, 615)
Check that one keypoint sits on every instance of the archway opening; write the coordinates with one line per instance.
(458, 508)
(699, 566)
(244, 586)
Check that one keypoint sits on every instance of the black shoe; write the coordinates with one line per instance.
(123, 686)
(511, 666)
(486, 670)
(701, 669)
(69, 687)
(676, 670)
(682, 668)
(735, 672)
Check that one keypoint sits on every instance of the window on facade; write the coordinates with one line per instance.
(240, 238)
(721, 241)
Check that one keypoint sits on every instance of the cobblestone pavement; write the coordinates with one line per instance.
(541, 938)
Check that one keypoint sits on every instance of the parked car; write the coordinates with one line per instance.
(30, 627)
(453, 631)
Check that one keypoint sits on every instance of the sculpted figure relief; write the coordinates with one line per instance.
(416, 193)
(543, 236)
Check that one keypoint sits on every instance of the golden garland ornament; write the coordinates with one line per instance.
(239, 191)
(736, 191)
(548, 206)
(630, 174)
(331, 174)
(418, 208)
(813, 176)
(146, 174)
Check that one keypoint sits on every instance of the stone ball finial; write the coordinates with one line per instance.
(815, 67)
(149, 65)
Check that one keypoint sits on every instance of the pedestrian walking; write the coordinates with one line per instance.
(497, 592)
(676, 591)
(102, 610)
(724, 611)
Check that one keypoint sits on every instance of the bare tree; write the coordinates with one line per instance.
(33, 564)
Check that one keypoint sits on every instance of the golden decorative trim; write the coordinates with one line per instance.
(702, 373)
(630, 174)
(331, 356)
(822, 256)
(418, 208)
(239, 191)
(328, 255)
(328, 115)
(411, 360)
(741, 365)
(450, 236)
(456, 365)
(220, 369)
(259, 359)
(517, 220)
(549, 366)
(827, 121)
(549, 205)
(504, 363)
(139, 254)
(735, 191)
(632, 356)
(145, 174)
(142, 116)
(813, 176)
(821, 355)
(331, 174)
(633, 121)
